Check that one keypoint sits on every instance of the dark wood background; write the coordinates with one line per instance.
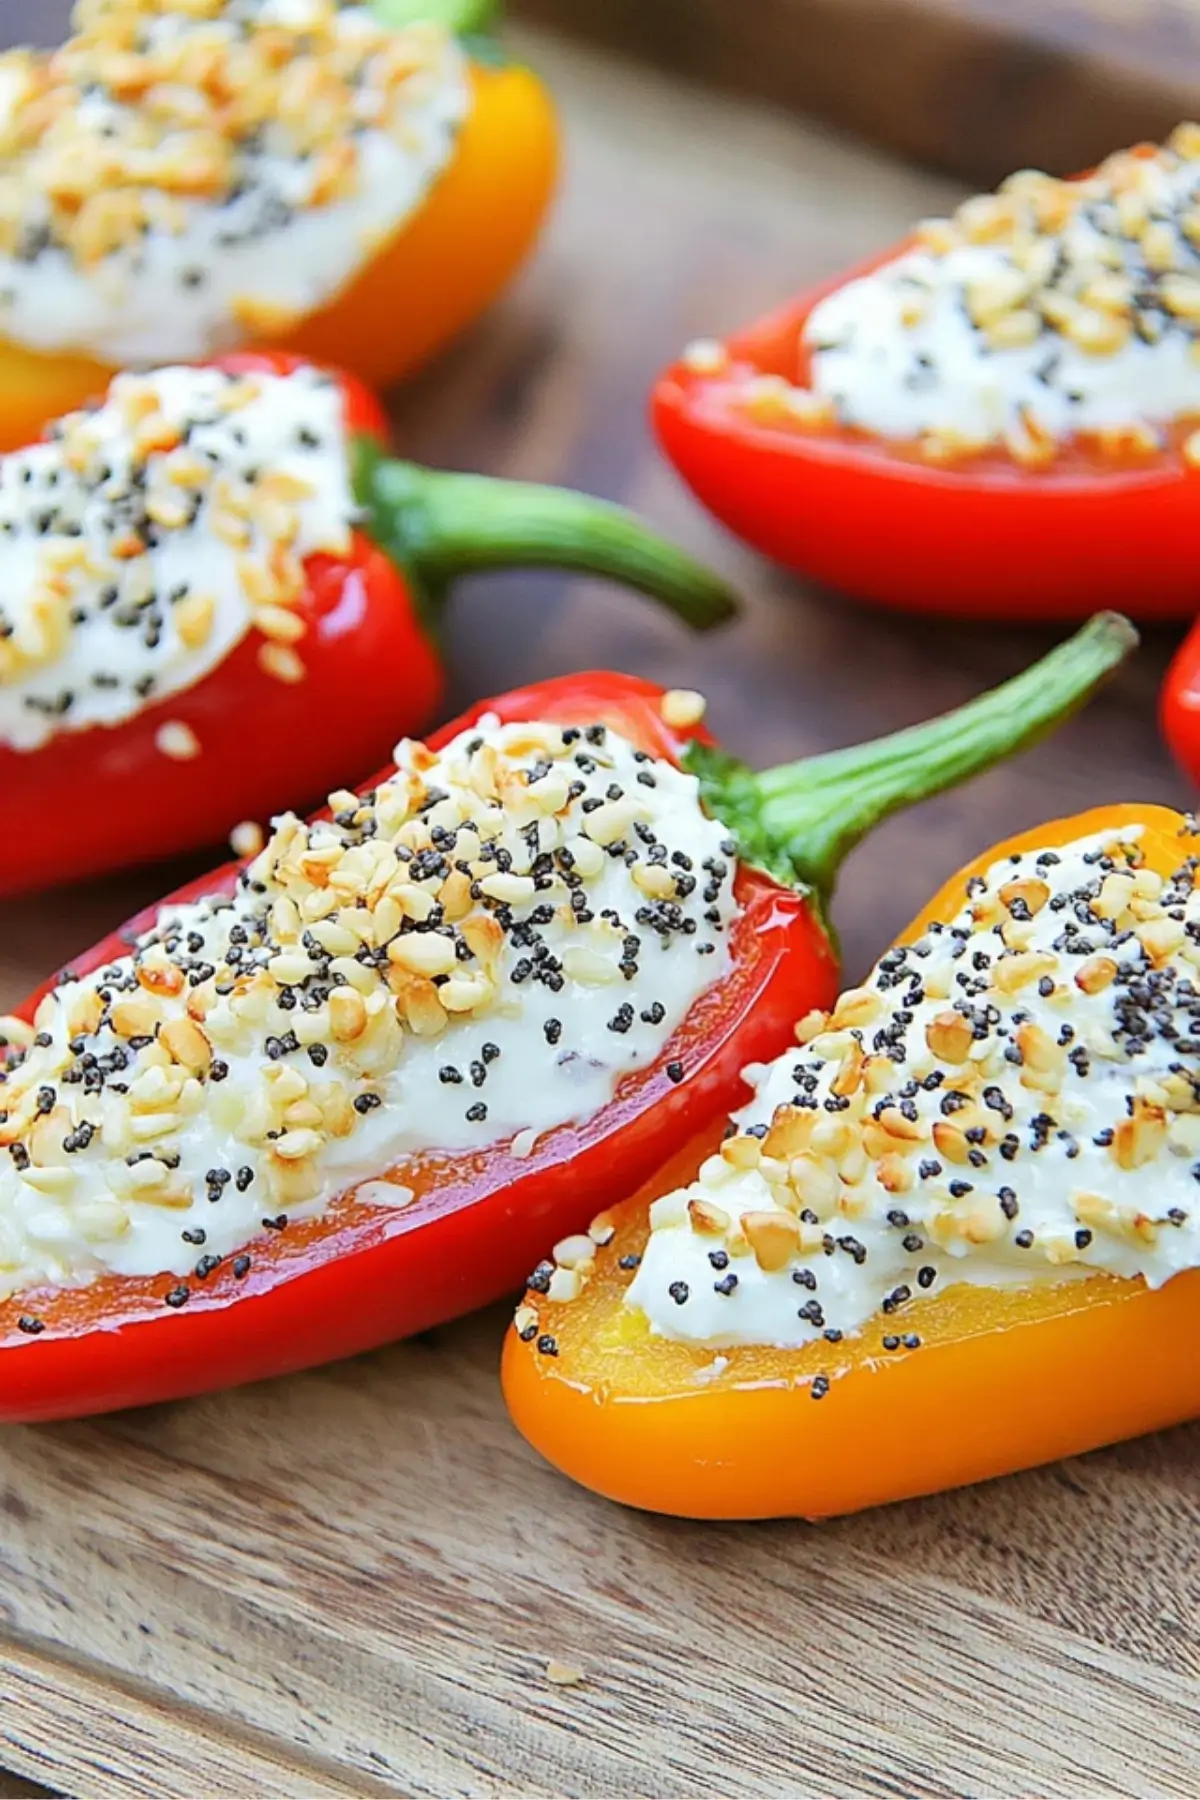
(351, 1581)
(974, 87)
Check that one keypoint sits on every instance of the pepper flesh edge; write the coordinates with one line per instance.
(444, 264)
(1021, 1377)
(984, 538)
(1113, 1364)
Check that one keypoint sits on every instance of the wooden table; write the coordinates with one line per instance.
(352, 1581)
(977, 87)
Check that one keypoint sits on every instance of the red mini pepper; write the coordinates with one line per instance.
(1066, 526)
(1179, 706)
(371, 667)
(360, 1274)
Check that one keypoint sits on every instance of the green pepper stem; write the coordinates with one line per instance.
(437, 525)
(459, 16)
(801, 821)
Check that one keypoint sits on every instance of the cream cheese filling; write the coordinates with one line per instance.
(473, 955)
(1014, 1099)
(145, 539)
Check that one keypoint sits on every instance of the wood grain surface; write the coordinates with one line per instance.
(974, 87)
(353, 1581)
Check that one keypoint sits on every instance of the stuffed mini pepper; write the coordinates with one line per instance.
(955, 1232)
(181, 180)
(218, 595)
(997, 418)
(350, 1088)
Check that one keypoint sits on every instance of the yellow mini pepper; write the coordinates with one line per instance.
(1082, 1330)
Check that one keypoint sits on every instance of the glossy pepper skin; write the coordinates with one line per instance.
(373, 672)
(1003, 1379)
(443, 267)
(983, 538)
(361, 1275)
(1179, 705)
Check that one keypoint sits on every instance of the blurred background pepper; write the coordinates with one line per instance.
(355, 188)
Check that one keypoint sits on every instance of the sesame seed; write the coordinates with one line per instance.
(177, 741)
(246, 840)
(682, 708)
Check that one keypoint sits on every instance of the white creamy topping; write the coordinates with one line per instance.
(476, 953)
(144, 540)
(1048, 311)
(172, 184)
(1014, 1099)
(941, 375)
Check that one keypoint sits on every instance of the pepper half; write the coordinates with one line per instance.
(429, 280)
(1025, 526)
(997, 1378)
(368, 668)
(361, 1274)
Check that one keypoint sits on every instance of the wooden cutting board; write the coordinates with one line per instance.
(976, 87)
(352, 1582)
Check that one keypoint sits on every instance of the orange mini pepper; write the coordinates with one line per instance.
(441, 268)
(1002, 1378)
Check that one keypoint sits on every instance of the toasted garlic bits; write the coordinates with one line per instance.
(1013, 1099)
(177, 179)
(143, 540)
(470, 954)
(1050, 311)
